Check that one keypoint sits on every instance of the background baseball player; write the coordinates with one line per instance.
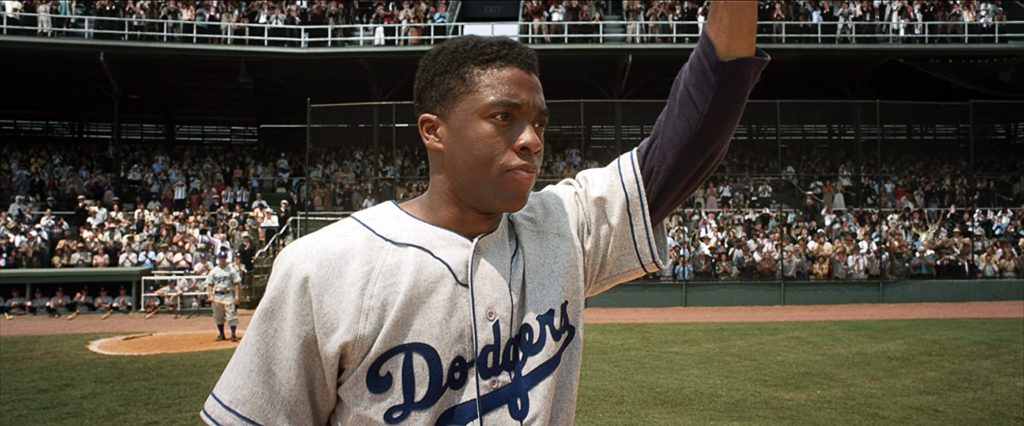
(123, 301)
(13, 306)
(223, 286)
(103, 303)
(58, 304)
(465, 304)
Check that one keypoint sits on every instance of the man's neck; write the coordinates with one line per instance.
(447, 212)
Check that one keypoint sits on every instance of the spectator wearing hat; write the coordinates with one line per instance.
(17, 208)
(922, 265)
(80, 255)
(821, 270)
(284, 214)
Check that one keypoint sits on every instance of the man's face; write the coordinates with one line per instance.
(492, 141)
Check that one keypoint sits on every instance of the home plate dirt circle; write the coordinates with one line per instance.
(160, 343)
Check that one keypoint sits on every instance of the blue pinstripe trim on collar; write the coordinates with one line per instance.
(629, 213)
(643, 210)
(232, 410)
(424, 249)
(207, 416)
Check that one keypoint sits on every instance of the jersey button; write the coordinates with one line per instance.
(491, 316)
(495, 383)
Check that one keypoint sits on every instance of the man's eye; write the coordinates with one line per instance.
(540, 124)
(504, 116)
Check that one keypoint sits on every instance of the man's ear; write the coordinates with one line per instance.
(431, 131)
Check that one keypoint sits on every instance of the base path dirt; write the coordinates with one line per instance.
(135, 322)
(890, 311)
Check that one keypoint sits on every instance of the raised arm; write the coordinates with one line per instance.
(692, 134)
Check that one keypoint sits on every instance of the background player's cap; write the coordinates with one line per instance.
(222, 254)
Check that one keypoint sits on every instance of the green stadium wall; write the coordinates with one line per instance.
(760, 293)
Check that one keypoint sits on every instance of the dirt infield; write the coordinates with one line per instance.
(1012, 309)
(118, 323)
(165, 323)
(160, 343)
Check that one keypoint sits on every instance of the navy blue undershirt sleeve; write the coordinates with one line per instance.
(693, 132)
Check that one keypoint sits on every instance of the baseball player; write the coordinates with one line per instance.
(39, 303)
(15, 304)
(103, 302)
(82, 302)
(123, 301)
(58, 304)
(465, 304)
(222, 289)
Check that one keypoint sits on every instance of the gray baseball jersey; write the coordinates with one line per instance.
(223, 281)
(384, 318)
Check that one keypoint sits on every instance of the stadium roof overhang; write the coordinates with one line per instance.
(170, 82)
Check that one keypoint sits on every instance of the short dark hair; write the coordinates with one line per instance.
(444, 71)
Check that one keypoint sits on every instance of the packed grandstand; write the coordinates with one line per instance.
(939, 197)
(413, 22)
(177, 210)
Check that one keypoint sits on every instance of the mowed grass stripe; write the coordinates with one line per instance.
(57, 380)
(961, 371)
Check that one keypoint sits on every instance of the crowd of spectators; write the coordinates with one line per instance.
(228, 22)
(544, 21)
(846, 244)
(569, 21)
(833, 178)
(818, 21)
(184, 209)
(890, 20)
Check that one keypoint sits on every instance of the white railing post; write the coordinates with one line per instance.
(305, 37)
(967, 34)
(819, 34)
(329, 34)
(784, 25)
(5, 23)
(600, 32)
(266, 33)
(126, 30)
(165, 30)
(996, 31)
(926, 32)
(195, 40)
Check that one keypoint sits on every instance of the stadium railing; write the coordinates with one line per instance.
(263, 260)
(647, 32)
(154, 282)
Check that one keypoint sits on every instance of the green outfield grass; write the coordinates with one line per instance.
(856, 372)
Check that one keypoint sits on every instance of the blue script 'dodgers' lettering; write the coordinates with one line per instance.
(494, 359)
